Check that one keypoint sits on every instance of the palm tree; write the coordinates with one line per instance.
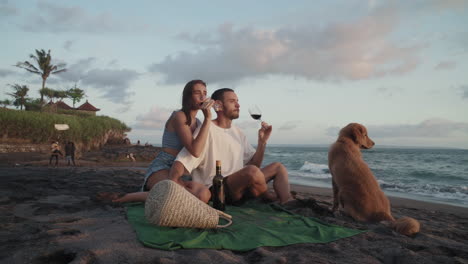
(20, 95)
(44, 66)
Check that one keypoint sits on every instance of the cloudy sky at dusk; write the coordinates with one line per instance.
(398, 67)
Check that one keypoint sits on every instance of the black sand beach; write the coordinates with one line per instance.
(56, 216)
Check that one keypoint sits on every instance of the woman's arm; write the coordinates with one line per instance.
(193, 145)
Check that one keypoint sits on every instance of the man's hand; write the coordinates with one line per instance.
(264, 133)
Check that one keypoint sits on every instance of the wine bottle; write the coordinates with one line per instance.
(218, 189)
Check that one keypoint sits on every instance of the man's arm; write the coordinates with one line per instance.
(263, 136)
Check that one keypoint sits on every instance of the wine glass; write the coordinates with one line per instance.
(255, 113)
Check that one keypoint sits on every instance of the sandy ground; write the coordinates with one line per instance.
(52, 215)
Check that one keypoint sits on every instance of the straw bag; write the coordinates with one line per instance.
(169, 204)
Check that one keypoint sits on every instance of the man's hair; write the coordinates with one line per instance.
(219, 94)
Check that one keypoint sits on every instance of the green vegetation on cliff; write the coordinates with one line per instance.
(39, 126)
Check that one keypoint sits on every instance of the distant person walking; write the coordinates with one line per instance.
(70, 153)
(55, 152)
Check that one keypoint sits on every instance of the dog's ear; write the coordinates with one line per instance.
(356, 133)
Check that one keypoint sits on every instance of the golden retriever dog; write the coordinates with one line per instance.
(355, 189)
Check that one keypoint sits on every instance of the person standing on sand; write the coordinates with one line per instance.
(70, 153)
(55, 152)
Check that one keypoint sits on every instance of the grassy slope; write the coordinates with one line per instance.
(39, 126)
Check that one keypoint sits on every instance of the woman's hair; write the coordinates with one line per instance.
(187, 99)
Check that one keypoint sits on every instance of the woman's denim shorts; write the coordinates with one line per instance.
(163, 161)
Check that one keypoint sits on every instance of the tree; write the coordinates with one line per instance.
(5, 103)
(76, 94)
(47, 92)
(60, 94)
(20, 93)
(33, 105)
(53, 94)
(44, 66)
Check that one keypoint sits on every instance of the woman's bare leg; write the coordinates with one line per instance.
(156, 177)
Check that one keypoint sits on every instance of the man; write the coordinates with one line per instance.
(70, 153)
(240, 162)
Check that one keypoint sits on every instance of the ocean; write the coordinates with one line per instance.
(435, 175)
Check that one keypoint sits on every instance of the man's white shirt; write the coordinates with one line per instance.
(229, 145)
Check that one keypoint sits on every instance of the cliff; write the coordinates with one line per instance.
(27, 131)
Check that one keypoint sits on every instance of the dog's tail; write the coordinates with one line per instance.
(406, 225)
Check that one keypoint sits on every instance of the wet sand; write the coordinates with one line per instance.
(53, 215)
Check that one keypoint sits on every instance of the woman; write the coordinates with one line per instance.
(54, 153)
(178, 133)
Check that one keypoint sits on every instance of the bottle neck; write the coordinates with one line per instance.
(218, 170)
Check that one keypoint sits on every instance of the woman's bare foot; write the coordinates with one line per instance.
(131, 197)
(108, 196)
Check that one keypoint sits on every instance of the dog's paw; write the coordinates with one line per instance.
(337, 213)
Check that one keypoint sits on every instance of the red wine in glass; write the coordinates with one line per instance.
(255, 113)
(256, 116)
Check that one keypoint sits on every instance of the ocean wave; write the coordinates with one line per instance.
(281, 154)
(427, 175)
(315, 168)
(445, 192)
(310, 176)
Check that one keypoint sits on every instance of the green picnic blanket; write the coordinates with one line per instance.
(254, 225)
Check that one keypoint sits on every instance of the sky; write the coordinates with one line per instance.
(398, 67)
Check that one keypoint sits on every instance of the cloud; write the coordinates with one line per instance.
(289, 125)
(67, 45)
(446, 65)
(50, 17)
(155, 119)
(445, 4)
(464, 89)
(349, 50)
(113, 83)
(389, 91)
(430, 128)
(7, 9)
(6, 72)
